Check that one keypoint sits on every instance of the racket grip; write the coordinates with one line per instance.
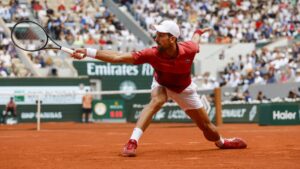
(68, 50)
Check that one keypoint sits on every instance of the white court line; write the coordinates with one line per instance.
(168, 143)
(192, 158)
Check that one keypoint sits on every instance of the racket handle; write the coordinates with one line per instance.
(68, 50)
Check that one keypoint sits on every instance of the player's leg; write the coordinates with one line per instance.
(14, 113)
(158, 98)
(83, 115)
(5, 114)
(89, 114)
(191, 103)
(200, 117)
(86, 116)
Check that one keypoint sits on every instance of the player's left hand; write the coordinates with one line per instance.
(202, 31)
(207, 29)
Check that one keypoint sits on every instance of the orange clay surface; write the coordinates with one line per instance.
(163, 146)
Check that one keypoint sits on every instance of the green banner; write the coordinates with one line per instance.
(122, 77)
(240, 113)
(49, 113)
(279, 114)
(52, 91)
(109, 110)
(119, 77)
(170, 112)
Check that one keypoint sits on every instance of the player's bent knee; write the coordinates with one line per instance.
(157, 102)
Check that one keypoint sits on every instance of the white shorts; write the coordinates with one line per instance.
(188, 99)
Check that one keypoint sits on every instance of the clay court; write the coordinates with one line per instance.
(163, 146)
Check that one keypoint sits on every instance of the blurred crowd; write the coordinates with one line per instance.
(10, 64)
(76, 23)
(232, 20)
(262, 66)
(89, 23)
(84, 22)
(245, 96)
(79, 23)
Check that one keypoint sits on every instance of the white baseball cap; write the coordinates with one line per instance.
(168, 26)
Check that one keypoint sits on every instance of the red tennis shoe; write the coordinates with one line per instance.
(129, 149)
(233, 143)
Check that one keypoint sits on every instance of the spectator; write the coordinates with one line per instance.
(53, 72)
(233, 21)
(90, 40)
(86, 107)
(10, 107)
(237, 96)
(3, 70)
(258, 79)
(247, 96)
(293, 95)
(36, 6)
(260, 96)
(61, 7)
(297, 78)
(250, 77)
(23, 13)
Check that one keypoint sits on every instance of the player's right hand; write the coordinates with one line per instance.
(79, 54)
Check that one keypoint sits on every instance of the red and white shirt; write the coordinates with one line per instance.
(174, 73)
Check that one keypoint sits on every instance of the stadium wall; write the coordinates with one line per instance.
(60, 103)
(57, 94)
(208, 59)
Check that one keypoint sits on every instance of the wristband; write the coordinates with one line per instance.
(92, 53)
(199, 32)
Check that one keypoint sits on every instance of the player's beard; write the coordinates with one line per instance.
(160, 48)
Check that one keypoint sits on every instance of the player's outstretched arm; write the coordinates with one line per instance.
(104, 55)
(198, 33)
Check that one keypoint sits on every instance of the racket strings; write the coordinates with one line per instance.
(29, 36)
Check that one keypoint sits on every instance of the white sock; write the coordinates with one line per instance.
(220, 142)
(136, 134)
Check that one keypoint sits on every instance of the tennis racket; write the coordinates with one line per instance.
(30, 36)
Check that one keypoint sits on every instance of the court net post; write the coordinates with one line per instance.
(38, 113)
(218, 106)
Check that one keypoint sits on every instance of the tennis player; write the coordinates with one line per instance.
(172, 62)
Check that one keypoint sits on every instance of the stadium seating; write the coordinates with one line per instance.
(89, 23)
(233, 21)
